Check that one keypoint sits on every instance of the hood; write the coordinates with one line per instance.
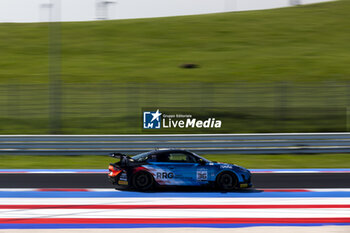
(232, 166)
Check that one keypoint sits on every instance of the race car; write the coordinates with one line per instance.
(175, 167)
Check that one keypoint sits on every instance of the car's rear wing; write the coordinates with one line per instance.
(124, 159)
(118, 155)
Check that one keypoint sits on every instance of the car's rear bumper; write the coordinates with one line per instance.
(114, 180)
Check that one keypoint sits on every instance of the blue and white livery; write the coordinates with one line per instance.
(167, 167)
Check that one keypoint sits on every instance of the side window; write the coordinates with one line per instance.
(163, 157)
(152, 158)
(180, 158)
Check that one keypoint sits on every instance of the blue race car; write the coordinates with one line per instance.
(164, 167)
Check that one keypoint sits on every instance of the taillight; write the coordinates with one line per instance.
(113, 171)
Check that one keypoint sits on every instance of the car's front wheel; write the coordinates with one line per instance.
(226, 181)
(143, 181)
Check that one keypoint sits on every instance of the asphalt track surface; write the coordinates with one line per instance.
(274, 180)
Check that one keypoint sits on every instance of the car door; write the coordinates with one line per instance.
(162, 170)
(185, 167)
(176, 168)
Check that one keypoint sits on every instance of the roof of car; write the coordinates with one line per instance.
(158, 151)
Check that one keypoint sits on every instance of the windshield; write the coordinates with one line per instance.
(141, 157)
(200, 157)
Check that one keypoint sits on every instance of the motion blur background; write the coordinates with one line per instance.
(278, 70)
(84, 67)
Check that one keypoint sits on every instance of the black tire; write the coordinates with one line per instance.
(143, 181)
(226, 181)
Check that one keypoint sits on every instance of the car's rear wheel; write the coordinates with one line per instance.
(143, 181)
(226, 181)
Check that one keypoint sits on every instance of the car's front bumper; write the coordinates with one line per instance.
(245, 185)
(247, 181)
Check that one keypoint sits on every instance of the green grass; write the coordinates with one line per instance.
(304, 43)
(249, 161)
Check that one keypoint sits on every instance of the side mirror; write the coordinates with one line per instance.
(202, 162)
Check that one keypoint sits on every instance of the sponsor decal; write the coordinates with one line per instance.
(123, 176)
(123, 182)
(164, 175)
(123, 179)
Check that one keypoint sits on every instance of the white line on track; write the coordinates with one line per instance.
(175, 213)
(174, 201)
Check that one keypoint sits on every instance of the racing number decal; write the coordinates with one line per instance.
(202, 175)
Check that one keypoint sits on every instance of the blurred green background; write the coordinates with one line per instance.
(281, 70)
(114, 108)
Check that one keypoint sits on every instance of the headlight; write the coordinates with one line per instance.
(242, 169)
